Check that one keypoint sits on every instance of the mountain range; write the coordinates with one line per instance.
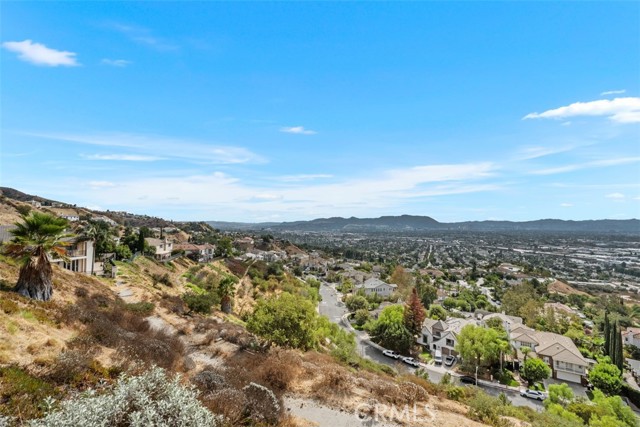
(413, 223)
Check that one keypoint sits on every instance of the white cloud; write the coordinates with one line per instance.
(566, 205)
(122, 157)
(222, 196)
(534, 152)
(586, 165)
(302, 177)
(161, 146)
(116, 62)
(39, 54)
(615, 196)
(620, 110)
(101, 184)
(613, 92)
(143, 36)
(300, 130)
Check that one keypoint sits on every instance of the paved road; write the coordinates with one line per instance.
(334, 309)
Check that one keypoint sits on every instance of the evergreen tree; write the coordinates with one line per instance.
(607, 333)
(617, 356)
(414, 314)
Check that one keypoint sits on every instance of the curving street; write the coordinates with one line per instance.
(334, 309)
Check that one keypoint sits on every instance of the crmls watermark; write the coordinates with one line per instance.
(381, 413)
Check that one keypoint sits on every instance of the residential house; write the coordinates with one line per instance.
(508, 322)
(80, 256)
(559, 352)
(631, 336)
(70, 218)
(377, 286)
(162, 247)
(201, 253)
(443, 334)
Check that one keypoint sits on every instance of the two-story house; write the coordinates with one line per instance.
(559, 352)
(443, 334)
(162, 247)
(377, 286)
(80, 256)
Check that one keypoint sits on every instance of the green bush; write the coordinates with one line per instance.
(22, 394)
(200, 303)
(144, 308)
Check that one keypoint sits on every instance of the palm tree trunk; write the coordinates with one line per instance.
(225, 304)
(35, 280)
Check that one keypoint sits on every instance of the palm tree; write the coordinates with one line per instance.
(39, 235)
(226, 290)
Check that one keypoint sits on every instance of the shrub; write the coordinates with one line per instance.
(149, 399)
(144, 308)
(262, 403)
(22, 394)
(8, 306)
(162, 278)
(199, 303)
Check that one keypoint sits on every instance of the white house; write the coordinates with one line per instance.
(377, 286)
(443, 334)
(80, 257)
(162, 247)
(631, 336)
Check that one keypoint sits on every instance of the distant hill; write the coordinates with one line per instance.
(412, 223)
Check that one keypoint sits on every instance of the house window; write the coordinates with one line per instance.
(450, 342)
(434, 347)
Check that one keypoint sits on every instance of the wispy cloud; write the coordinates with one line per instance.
(229, 197)
(122, 157)
(613, 92)
(160, 146)
(615, 196)
(143, 36)
(39, 54)
(534, 152)
(101, 184)
(566, 205)
(115, 62)
(586, 165)
(302, 177)
(619, 110)
(300, 130)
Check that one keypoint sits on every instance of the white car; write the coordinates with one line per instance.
(391, 353)
(533, 394)
(411, 361)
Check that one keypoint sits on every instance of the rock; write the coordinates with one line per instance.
(188, 363)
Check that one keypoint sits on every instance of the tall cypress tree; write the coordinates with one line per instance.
(611, 351)
(619, 355)
(607, 333)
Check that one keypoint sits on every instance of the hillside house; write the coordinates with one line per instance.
(443, 334)
(377, 286)
(80, 257)
(631, 336)
(559, 352)
(162, 247)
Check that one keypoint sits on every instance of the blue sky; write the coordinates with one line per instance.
(287, 111)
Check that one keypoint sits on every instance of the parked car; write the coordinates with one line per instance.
(438, 357)
(449, 360)
(533, 394)
(391, 353)
(468, 380)
(411, 361)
